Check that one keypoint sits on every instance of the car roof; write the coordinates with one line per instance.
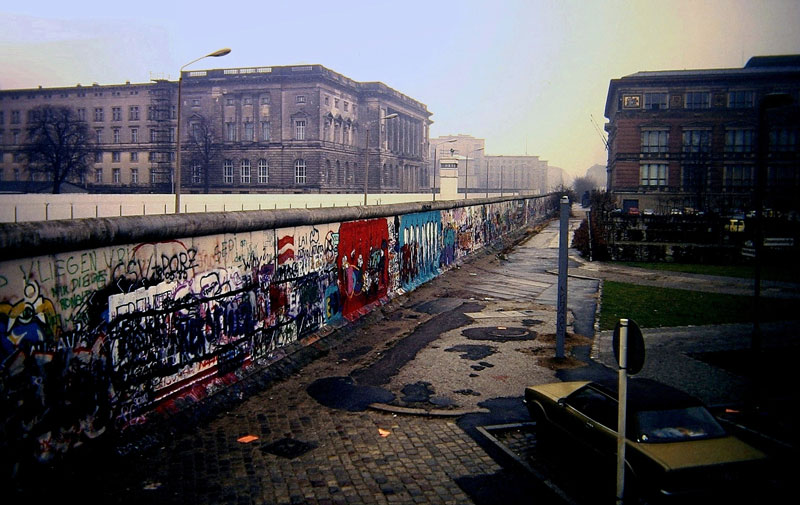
(647, 394)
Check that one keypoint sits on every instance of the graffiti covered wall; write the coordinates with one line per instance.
(93, 340)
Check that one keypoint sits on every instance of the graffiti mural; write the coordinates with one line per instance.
(94, 341)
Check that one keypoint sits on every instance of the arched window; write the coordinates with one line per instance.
(263, 171)
(329, 176)
(300, 172)
(339, 173)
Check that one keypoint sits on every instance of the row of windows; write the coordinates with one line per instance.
(98, 114)
(654, 175)
(737, 140)
(740, 99)
(245, 172)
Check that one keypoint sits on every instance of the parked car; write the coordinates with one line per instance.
(649, 212)
(633, 211)
(676, 450)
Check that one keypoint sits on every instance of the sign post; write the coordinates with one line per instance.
(628, 346)
(563, 266)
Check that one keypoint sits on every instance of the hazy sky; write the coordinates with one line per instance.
(528, 76)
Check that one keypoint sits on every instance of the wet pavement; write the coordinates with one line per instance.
(395, 407)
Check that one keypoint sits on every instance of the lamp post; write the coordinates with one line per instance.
(215, 54)
(366, 167)
(466, 173)
(435, 168)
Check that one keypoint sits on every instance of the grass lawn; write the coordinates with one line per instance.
(783, 272)
(653, 307)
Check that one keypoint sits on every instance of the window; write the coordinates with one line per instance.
(98, 175)
(327, 100)
(133, 113)
(173, 111)
(336, 102)
(696, 141)
(134, 135)
(230, 132)
(14, 117)
(300, 172)
(98, 113)
(265, 100)
(741, 99)
(248, 132)
(15, 137)
(153, 135)
(300, 99)
(655, 101)
(151, 113)
(265, 134)
(698, 100)
(116, 113)
(197, 176)
(230, 101)
(595, 406)
(115, 156)
(172, 134)
(738, 177)
(655, 141)
(2, 116)
(245, 173)
(153, 176)
(81, 114)
(151, 156)
(247, 101)
(115, 175)
(98, 134)
(346, 106)
(263, 171)
(300, 129)
(98, 157)
(195, 102)
(135, 156)
(227, 172)
(782, 139)
(739, 141)
(115, 135)
(194, 132)
(653, 174)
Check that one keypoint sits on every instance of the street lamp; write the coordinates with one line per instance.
(366, 168)
(436, 168)
(466, 173)
(215, 54)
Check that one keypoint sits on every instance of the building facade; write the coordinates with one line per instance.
(243, 130)
(689, 139)
(482, 172)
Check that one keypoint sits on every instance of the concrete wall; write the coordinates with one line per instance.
(104, 322)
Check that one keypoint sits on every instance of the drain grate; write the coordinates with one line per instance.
(289, 448)
(499, 334)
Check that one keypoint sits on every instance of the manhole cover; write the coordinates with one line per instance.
(289, 448)
(499, 334)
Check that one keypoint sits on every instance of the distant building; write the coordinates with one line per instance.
(689, 138)
(277, 129)
(493, 173)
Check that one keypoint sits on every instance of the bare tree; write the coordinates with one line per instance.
(59, 145)
(204, 147)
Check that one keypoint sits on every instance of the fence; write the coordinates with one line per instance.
(105, 322)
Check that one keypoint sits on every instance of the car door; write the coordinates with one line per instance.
(592, 420)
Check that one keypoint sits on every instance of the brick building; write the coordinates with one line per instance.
(273, 129)
(689, 139)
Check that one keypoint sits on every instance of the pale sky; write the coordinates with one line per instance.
(529, 76)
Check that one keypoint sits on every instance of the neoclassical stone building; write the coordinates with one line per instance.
(270, 129)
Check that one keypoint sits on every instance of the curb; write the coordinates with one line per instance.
(395, 409)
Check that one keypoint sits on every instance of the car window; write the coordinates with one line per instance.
(595, 406)
(677, 424)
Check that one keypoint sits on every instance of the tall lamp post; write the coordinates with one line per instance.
(435, 168)
(466, 173)
(366, 167)
(215, 54)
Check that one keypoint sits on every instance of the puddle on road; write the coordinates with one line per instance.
(473, 352)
